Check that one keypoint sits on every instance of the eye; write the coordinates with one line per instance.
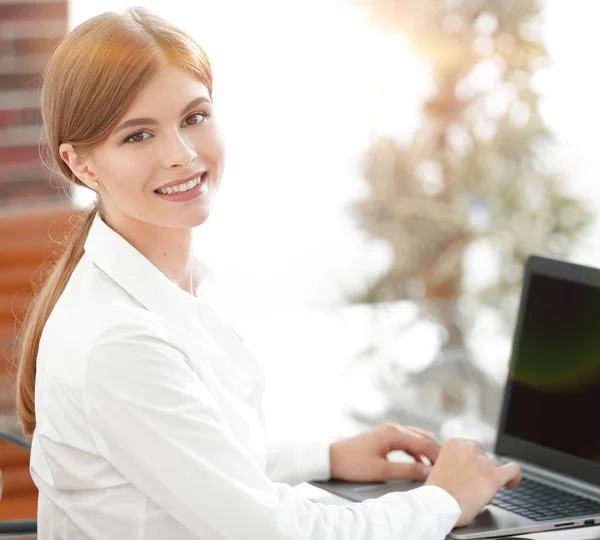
(194, 118)
(137, 137)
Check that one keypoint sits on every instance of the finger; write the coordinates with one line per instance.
(428, 435)
(417, 457)
(408, 471)
(423, 432)
(474, 443)
(509, 474)
(415, 444)
(495, 462)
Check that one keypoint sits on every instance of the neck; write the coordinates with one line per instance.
(168, 249)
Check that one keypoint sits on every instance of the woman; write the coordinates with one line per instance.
(143, 405)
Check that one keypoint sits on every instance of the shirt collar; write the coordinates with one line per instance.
(139, 277)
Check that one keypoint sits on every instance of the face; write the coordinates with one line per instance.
(167, 136)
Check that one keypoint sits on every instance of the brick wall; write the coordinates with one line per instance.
(30, 206)
(29, 32)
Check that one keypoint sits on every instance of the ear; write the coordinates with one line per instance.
(79, 165)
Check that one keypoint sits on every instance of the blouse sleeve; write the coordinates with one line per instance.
(296, 462)
(153, 418)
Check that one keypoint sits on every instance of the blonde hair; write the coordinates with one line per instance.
(88, 84)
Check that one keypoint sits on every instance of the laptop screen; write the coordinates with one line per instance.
(555, 375)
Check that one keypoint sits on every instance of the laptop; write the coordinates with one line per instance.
(550, 415)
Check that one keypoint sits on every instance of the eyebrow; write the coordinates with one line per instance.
(151, 121)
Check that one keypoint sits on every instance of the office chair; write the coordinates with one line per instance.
(17, 528)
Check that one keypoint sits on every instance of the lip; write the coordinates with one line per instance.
(182, 180)
(190, 195)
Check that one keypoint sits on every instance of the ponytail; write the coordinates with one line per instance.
(38, 311)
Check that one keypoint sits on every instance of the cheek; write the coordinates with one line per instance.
(211, 145)
(130, 171)
(221, 139)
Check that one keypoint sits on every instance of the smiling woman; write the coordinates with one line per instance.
(144, 406)
(116, 69)
(158, 144)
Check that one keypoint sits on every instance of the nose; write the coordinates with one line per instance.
(179, 152)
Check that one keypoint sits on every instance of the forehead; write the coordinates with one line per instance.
(166, 93)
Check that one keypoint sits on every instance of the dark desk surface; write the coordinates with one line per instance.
(589, 533)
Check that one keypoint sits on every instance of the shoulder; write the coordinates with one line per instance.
(129, 323)
(133, 343)
(133, 332)
(133, 365)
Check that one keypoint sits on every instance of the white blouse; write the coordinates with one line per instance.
(150, 424)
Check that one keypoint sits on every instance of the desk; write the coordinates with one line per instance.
(319, 495)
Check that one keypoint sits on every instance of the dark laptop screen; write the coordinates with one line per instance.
(555, 375)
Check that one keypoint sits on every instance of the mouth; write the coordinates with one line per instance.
(184, 186)
(185, 191)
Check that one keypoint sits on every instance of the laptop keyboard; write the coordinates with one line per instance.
(541, 502)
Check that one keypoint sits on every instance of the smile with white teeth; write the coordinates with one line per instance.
(181, 187)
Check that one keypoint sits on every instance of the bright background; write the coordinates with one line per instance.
(300, 87)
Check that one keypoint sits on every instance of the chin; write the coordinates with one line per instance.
(193, 220)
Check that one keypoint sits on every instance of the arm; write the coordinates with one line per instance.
(154, 420)
(296, 462)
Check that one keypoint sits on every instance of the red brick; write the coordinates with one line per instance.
(15, 154)
(24, 46)
(31, 11)
(11, 193)
(55, 28)
(30, 116)
(16, 81)
(30, 30)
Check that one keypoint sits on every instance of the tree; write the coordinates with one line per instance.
(477, 167)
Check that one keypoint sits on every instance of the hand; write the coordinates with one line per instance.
(363, 458)
(471, 477)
